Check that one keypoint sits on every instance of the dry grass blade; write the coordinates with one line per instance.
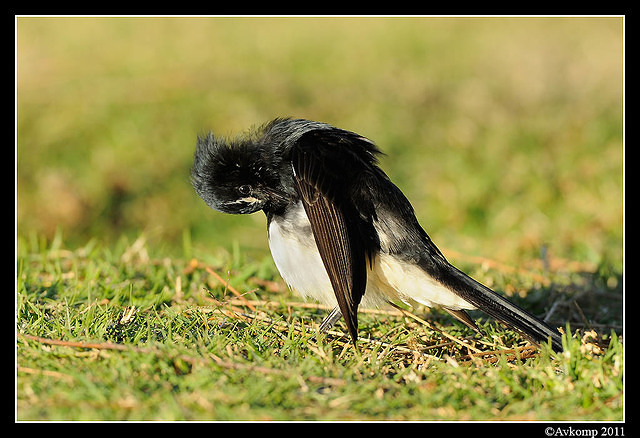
(431, 327)
(230, 288)
(55, 374)
(78, 344)
(510, 354)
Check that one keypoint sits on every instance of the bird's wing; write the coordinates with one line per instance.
(323, 171)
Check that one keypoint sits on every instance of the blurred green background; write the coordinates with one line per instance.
(505, 133)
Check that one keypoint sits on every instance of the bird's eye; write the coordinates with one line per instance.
(244, 189)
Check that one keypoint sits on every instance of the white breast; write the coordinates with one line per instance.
(296, 256)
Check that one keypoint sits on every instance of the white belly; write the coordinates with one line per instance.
(390, 279)
(299, 263)
(406, 282)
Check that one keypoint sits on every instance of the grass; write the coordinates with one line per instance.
(117, 334)
(505, 133)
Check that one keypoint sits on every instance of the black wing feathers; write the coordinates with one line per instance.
(323, 178)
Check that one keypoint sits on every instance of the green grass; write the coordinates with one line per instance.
(117, 334)
(505, 134)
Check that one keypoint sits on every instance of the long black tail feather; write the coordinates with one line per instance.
(503, 310)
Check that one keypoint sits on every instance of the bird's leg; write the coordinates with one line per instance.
(330, 320)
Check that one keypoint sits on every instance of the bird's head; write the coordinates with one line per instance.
(237, 176)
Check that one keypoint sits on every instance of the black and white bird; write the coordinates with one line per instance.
(340, 231)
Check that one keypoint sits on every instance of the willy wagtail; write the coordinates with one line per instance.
(340, 231)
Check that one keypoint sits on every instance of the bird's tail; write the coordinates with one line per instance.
(504, 310)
